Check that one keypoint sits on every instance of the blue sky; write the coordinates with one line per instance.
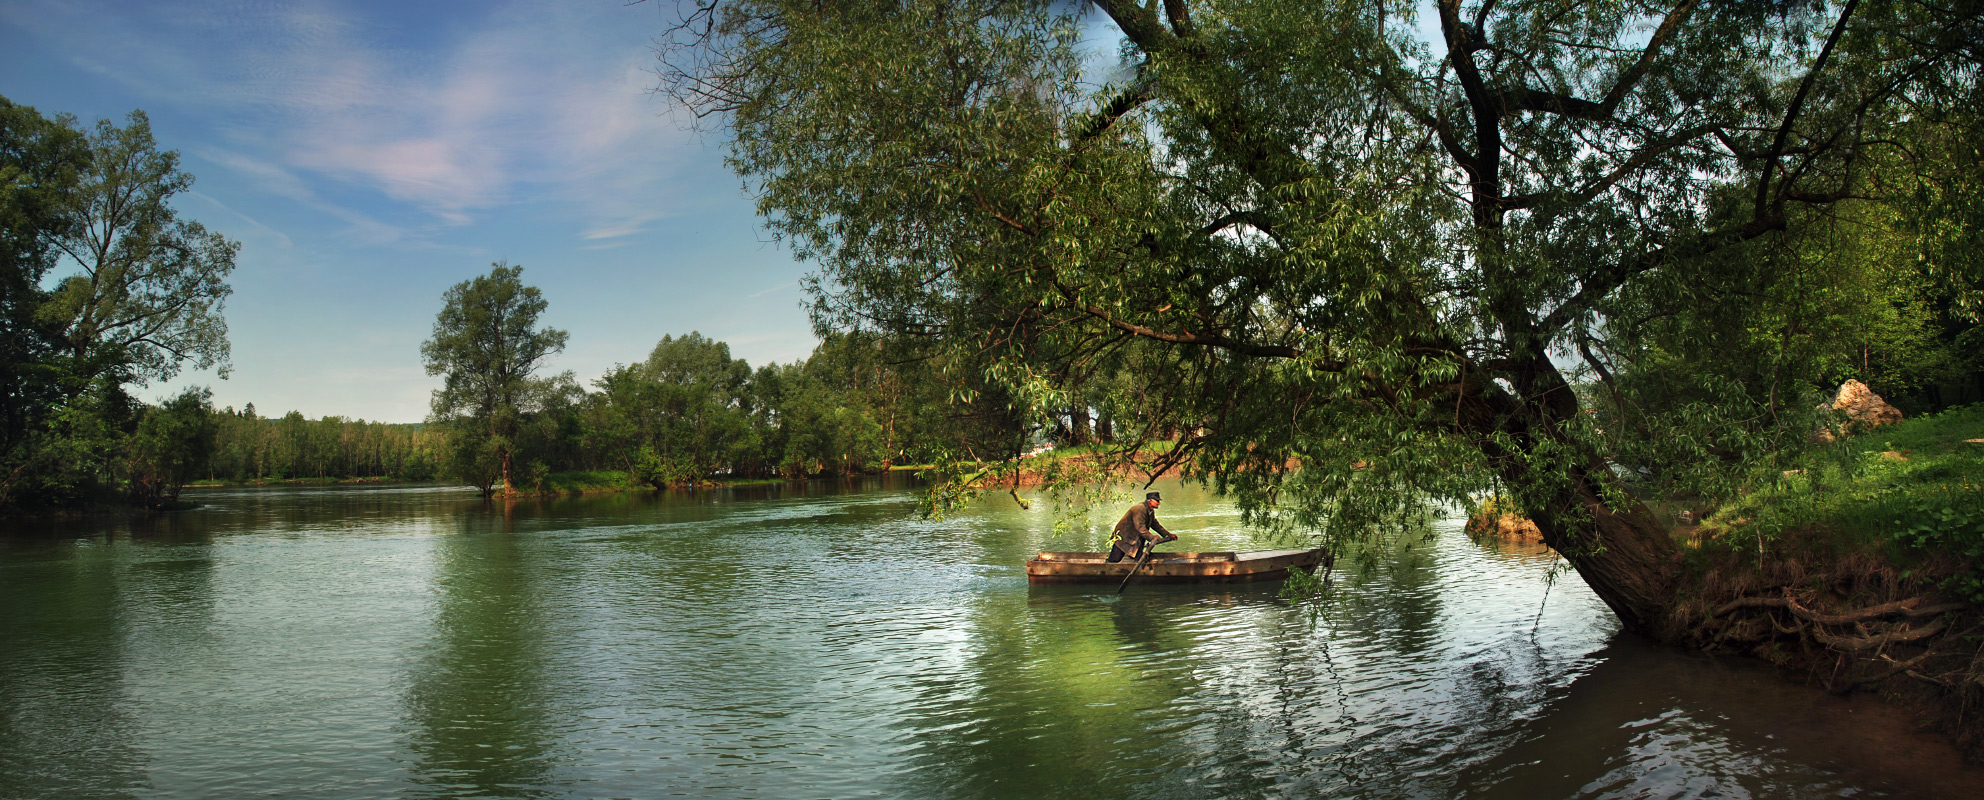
(369, 155)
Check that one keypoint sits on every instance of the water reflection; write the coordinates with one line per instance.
(477, 709)
(1051, 699)
(65, 721)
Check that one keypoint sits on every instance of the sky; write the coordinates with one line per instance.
(367, 156)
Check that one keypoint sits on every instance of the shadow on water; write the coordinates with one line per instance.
(1647, 721)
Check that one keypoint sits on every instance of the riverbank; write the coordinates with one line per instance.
(220, 484)
(556, 484)
(1855, 569)
(1858, 568)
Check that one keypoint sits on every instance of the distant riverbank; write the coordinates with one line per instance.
(554, 485)
(220, 484)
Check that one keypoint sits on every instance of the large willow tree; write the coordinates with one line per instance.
(1345, 250)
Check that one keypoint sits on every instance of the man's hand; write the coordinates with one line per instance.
(1171, 537)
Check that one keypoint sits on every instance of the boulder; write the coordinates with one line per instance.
(1856, 409)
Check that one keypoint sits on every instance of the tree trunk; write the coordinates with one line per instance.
(509, 489)
(1626, 556)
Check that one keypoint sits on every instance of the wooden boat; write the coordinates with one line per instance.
(1163, 567)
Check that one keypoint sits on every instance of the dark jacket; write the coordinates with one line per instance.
(1135, 528)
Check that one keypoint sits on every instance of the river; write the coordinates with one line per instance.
(819, 640)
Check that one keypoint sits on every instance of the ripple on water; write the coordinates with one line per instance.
(811, 641)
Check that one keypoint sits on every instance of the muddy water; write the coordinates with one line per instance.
(819, 641)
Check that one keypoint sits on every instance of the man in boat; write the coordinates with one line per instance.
(1133, 531)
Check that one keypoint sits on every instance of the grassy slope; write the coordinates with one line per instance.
(1912, 492)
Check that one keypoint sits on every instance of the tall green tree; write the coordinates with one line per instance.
(487, 346)
(41, 161)
(679, 417)
(1314, 238)
(620, 420)
(705, 422)
(150, 289)
(138, 294)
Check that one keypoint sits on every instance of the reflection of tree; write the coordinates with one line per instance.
(1056, 705)
(1645, 721)
(279, 510)
(477, 709)
(1514, 549)
(1386, 586)
(65, 730)
(1170, 691)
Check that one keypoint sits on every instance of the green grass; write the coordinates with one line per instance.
(1911, 491)
(583, 482)
(752, 481)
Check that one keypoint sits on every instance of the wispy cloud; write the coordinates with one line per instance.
(785, 285)
(451, 116)
(621, 227)
(273, 236)
(285, 183)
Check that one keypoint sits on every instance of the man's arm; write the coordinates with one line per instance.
(1159, 526)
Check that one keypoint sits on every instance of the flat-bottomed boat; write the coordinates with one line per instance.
(1209, 567)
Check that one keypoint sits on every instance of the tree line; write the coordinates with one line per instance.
(690, 412)
(251, 449)
(687, 414)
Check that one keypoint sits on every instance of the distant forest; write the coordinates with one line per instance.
(688, 413)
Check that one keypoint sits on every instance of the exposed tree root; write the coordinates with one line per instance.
(1859, 625)
(1911, 607)
(1870, 641)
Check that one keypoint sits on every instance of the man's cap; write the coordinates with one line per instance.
(1152, 496)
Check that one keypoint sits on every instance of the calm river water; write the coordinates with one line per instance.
(818, 640)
